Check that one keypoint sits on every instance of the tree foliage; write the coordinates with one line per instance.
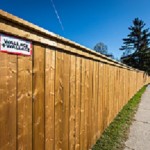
(103, 49)
(136, 46)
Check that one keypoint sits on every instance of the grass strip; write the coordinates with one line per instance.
(116, 134)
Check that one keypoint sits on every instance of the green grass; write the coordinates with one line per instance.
(115, 135)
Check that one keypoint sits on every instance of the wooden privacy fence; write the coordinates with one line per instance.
(63, 96)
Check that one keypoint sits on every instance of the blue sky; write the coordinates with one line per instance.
(86, 22)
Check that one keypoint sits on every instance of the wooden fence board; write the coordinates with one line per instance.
(109, 99)
(90, 134)
(78, 103)
(8, 87)
(66, 104)
(105, 86)
(72, 103)
(24, 103)
(82, 125)
(86, 100)
(93, 104)
(100, 98)
(49, 99)
(58, 100)
(96, 100)
(38, 97)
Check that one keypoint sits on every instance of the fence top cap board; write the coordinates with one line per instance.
(20, 22)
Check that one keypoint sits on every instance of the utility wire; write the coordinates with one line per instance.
(57, 15)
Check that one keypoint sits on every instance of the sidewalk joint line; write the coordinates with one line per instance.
(145, 122)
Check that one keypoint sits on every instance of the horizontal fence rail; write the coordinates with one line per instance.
(63, 96)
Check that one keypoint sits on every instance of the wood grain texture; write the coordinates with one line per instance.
(116, 90)
(82, 119)
(90, 133)
(109, 105)
(107, 95)
(78, 103)
(66, 102)
(50, 99)
(94, 104)
(24, 102)
(109, 99)
(8, 87)
(72, 103)
(114, 93)
(100, 98)
(105, 108)
(86, 101)
(59, 100)
(38, 97)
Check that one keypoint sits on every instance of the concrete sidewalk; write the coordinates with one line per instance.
(139, 136)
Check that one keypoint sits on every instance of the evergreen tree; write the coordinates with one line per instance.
(136, 46)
